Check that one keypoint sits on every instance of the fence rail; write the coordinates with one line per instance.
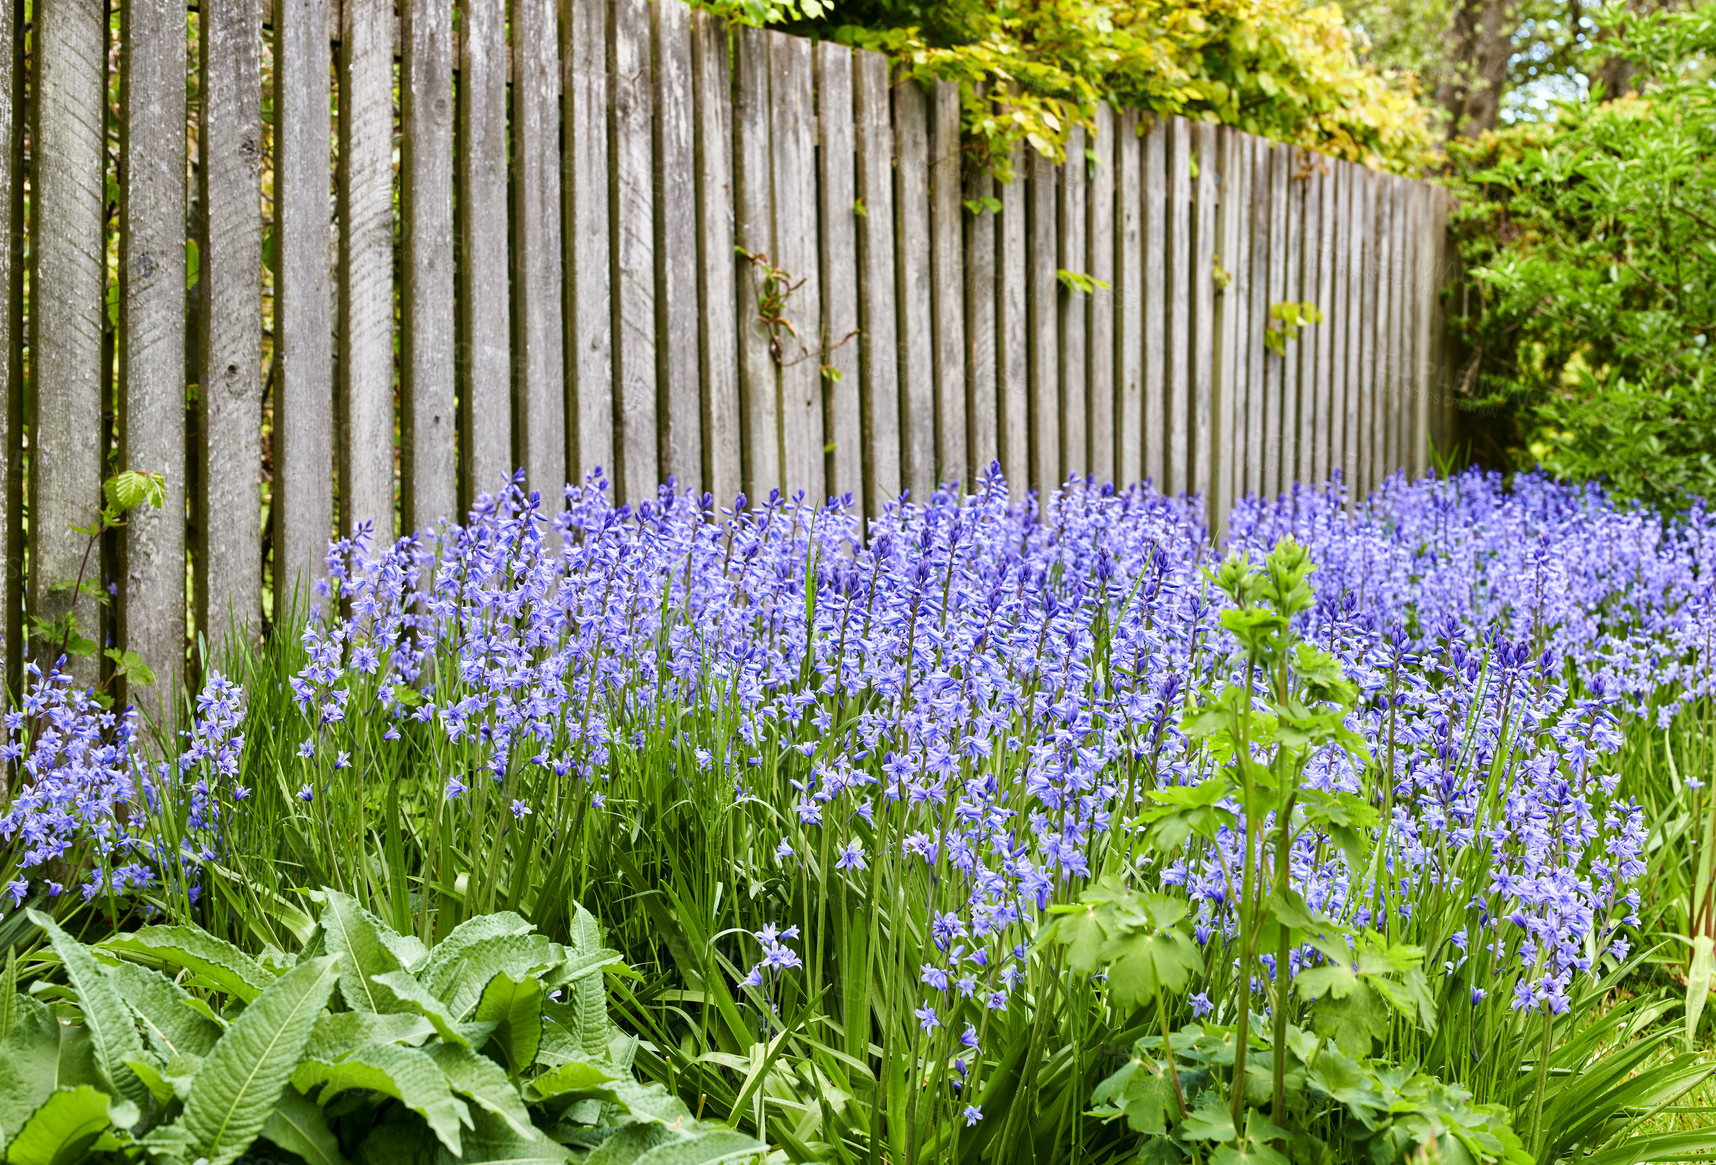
(622, 234)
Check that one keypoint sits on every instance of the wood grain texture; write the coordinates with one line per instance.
(947, 282)
(365, 214)
(1339, 313)
(428, 334)
(1099, 246)
(634, 260)
(588, 321)
(1201, 465)
(1292, 241)
(66, 311)
(753, 238)
(1275, 365)
(1258, 371)
(878, 320)
(1386, 354)
(1180, 323)
(679, 450)
(912, 281)
(539, 338)
(485, 305)
(151, 339)
(1364, 210)
(1042, 334)
(12, 336)
(1012, 342)
(1233, 212)
(717, 293)
(302, 499)
(228, 506)
(837, 266)
(1323, 335)
(1309, 204)
(982, 302)
(1155, 292)
(1129, 292)
(1074, 258)
(1352, 297)
(802, 437)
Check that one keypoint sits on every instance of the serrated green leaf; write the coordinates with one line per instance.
(483, 1082)
(298, 1126)
(171, 1024)
(406, 1074)
(357, 936)
(460, 985)
(410, 992)
(61, 1131)
(112, 1030)
(450, 950)
(346, 1031)
(1141, 964)
(514, 1005)
(1208, 1121)
(495, 1142)
(199, 952)
(576, 1078)
(704, 1147)
(246, 1073)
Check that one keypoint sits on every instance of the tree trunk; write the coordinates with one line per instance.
(1480, 41)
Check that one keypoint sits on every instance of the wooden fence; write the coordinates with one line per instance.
(622, 234)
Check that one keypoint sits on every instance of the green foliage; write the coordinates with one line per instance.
(170, 1046)
(1272, 67)
(1592, 244)
(1285, 321)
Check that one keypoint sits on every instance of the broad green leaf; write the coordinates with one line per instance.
(243, 1078)
(39, 1055)
(1142, 1093)
(356, 936)
(62, 1130)
(9, 993)
(112, 1030)
(298, 1126)
(1075, 927)
(460, 985)
(495, 1142)
(344, 1031)
(514, 1005)
(448, 952)
(1141, 963)
(406, 1074)
(409, 992)
(199, 952)
(1352, 1021)
(483, 1082)
(171, 1024)
(1698, 978)
(1209, 1120)
(704, 1147)
(576, 1078)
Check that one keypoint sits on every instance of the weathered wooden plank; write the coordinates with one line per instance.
(1074, 307)
(1042, 348)
(1259, 371)
(878, 321)
(12, 336)
(1292, 241)
(589, 322)
(680, 449)
(634, 260)
(983, 407)
(1232, 231)
(1309, 203)
(152, 338)
(794, 155)
(1338, 313)
(1201, 427)
(753, 235)
(539, 338)
(837, 193)
(717, 292)
(912, 273)
(1156, 295)
(428, 457)
(1180, 324)
(947, 282)
(1387, 304)
(1129, 294)
(365, 213)
(1099, 364)
(1411, 385)
(228, 506)
(1324, 334)
(302, 498)
(67, 312)
(1365, 371)
(1353, 299)
(1276, 446)
(485, 307)
(1012, 344)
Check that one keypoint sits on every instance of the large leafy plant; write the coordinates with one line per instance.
(170, 1045)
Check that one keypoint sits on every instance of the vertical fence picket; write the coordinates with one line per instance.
(1292, 257)
(228, 508)
(1232, 230)
(1012, 342)
(912, 280)
(1339, 315)
(794, 157)
(365, 213)
(633, 260)
(484, 364)
(302, 498)
(1257, 364)
(1353, 299)
(1099, 364)
(588, 322)
(12, 337)
(680, 440)
(1181, 212)
(878, 321)
(1074, 305)
(1276, 446)
(67, 246)
(152, 371)
(427, 335)
(1365, 371)
(1423, 309)
(1041, 333)
(1322, 335)
(1309, 203)
(1200, 465)
(1387, 258)
(753, 227)
(1129, 301)
(1155, 295)
(717, 294)
(947, 281)
(539, 348)
(837, 194)
(982, 407)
